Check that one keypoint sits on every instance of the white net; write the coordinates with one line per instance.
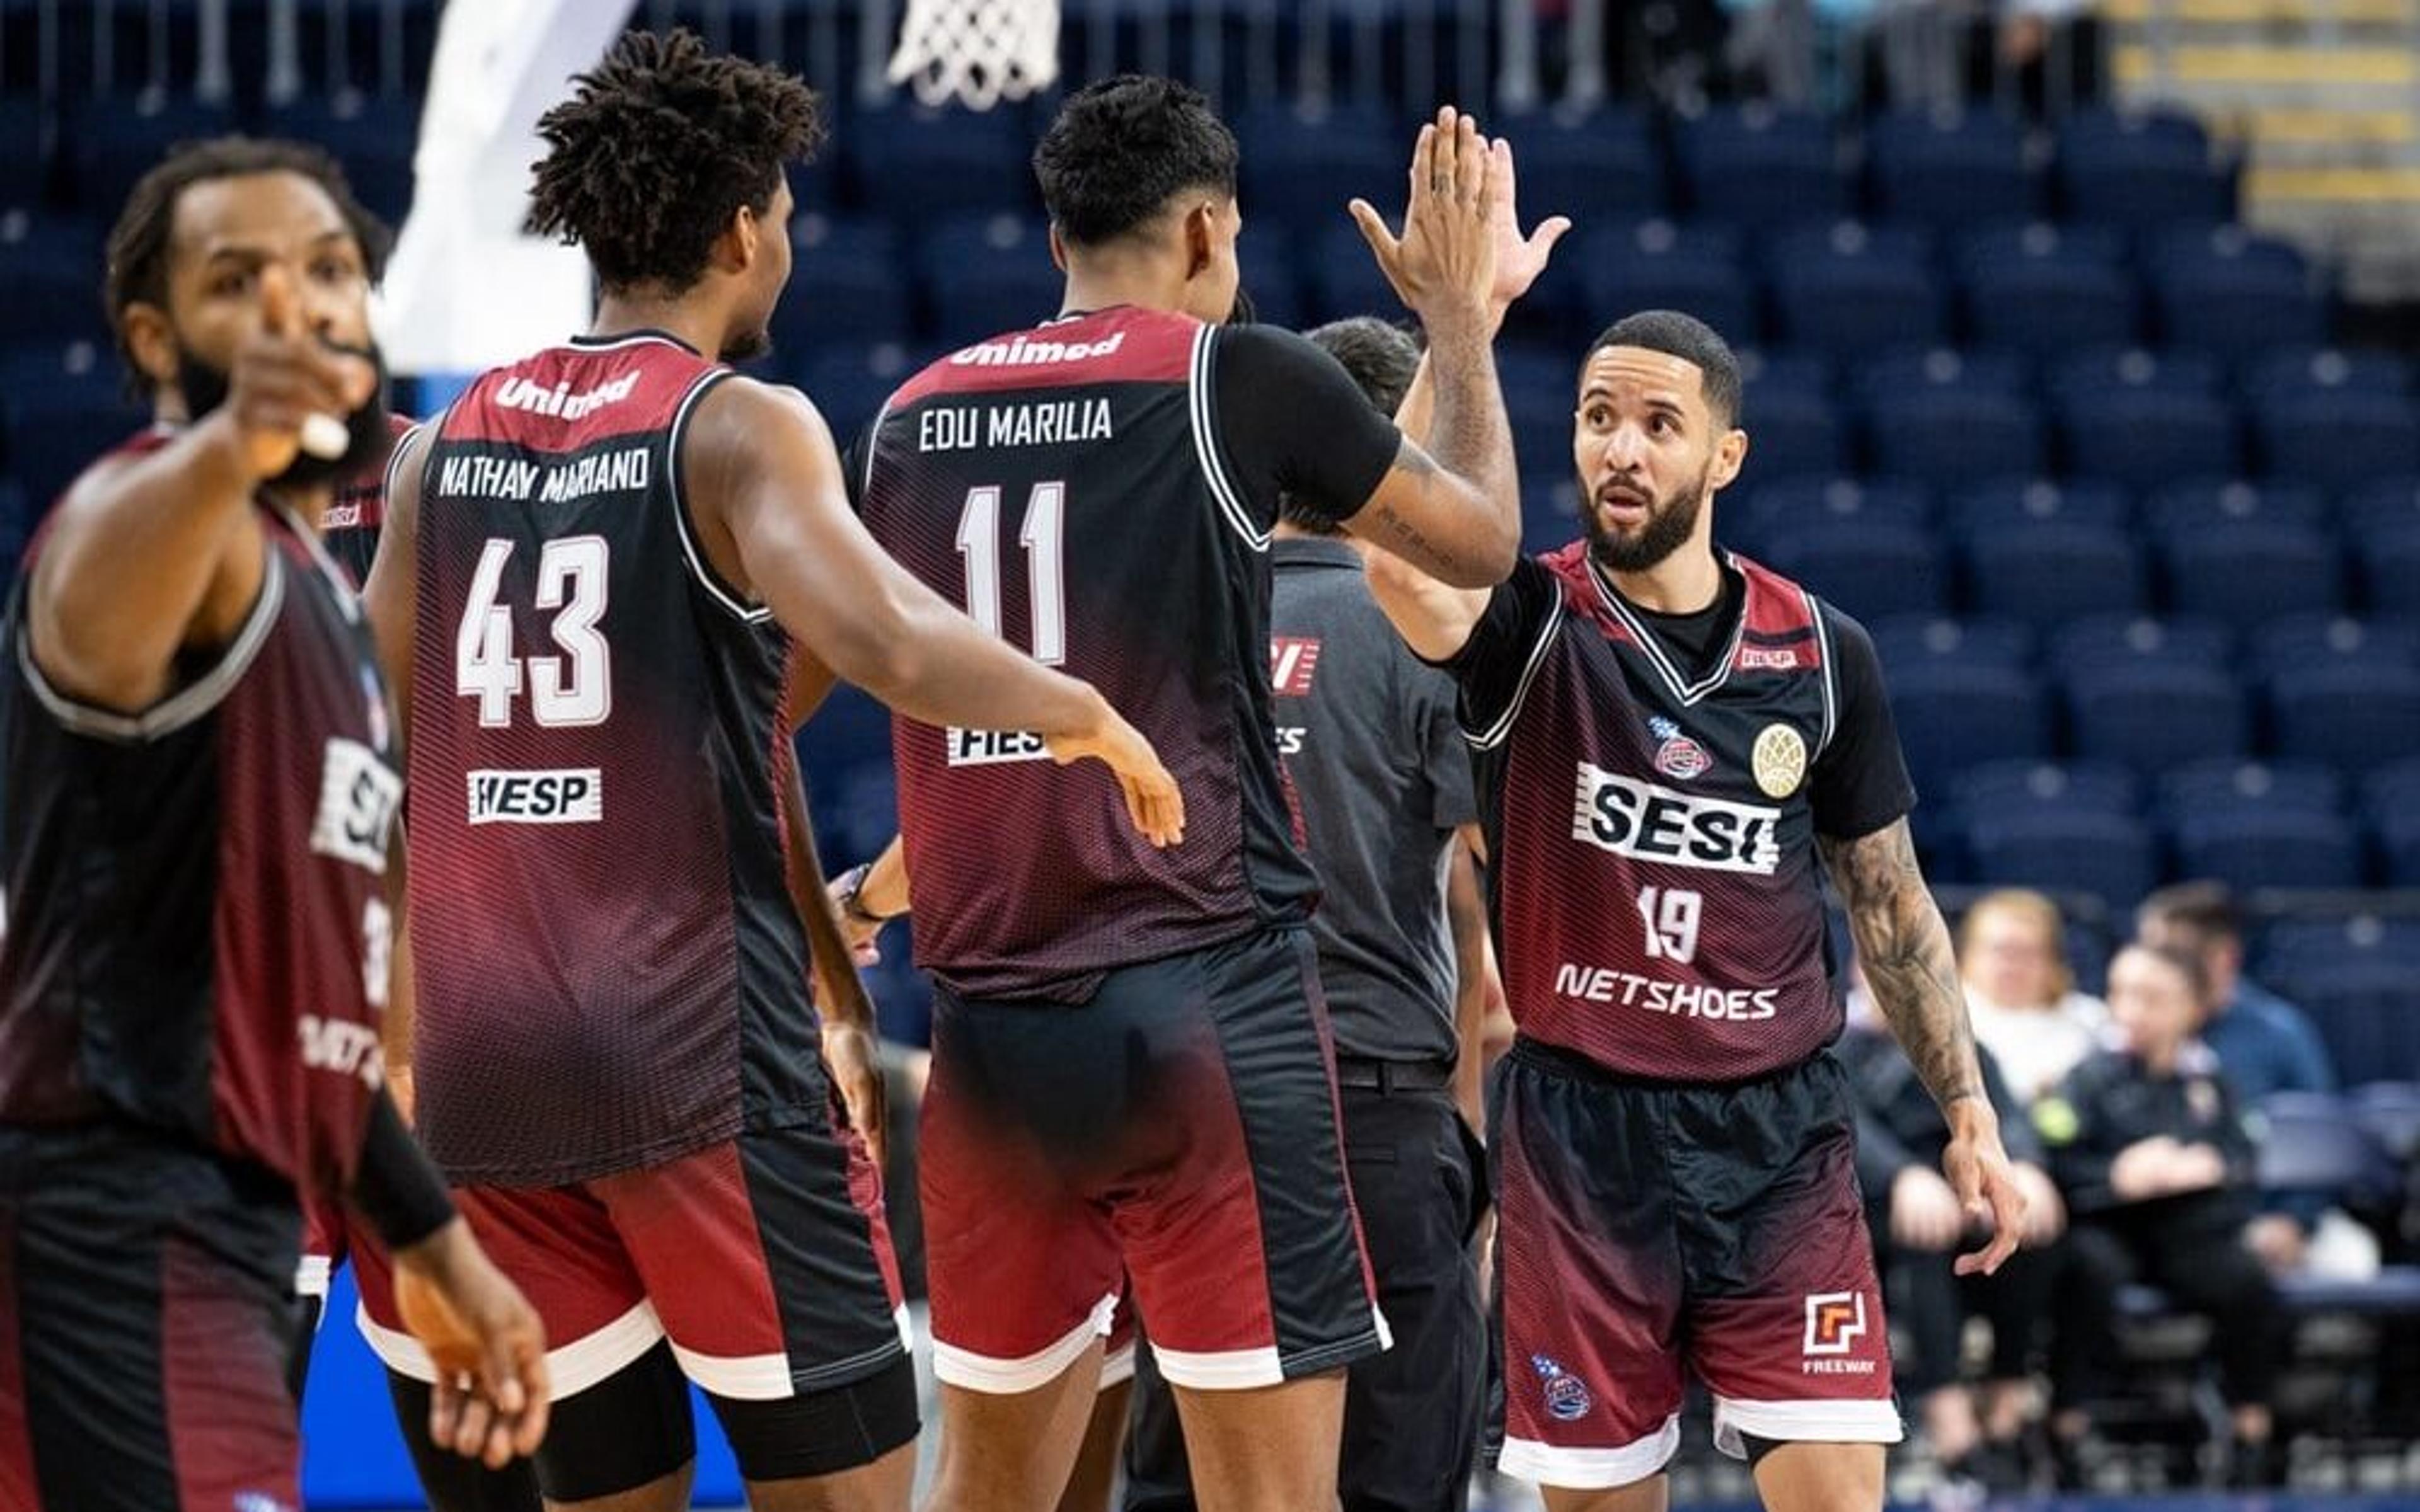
(977, 52)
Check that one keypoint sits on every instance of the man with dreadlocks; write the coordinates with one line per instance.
(594, 567)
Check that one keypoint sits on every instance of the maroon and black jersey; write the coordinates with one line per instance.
(1100, 489)
(613, 972)
(356, 512)
(197, 933)
(1653, 815)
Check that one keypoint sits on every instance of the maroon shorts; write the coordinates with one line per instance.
(145, 1327)
(1176, 1133)
(766, 1260)
(1650, 1230)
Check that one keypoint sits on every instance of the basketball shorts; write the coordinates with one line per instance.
(764, 1260)
(1647, 1229)
(1177, 1131)
(145, 1325)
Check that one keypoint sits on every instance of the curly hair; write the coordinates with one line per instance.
(140, 243)
(657, 147)
(1122, 149)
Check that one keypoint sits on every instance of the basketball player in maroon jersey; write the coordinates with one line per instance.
(1668, 738)
(200, 787)
(1131, 1075)
(593, 569)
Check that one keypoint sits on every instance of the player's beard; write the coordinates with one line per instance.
(747, 345)
(366, 437)
(1670, 522)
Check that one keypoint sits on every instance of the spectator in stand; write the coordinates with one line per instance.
(2264, 1044)
(2021, 992)
(2149, 1147)
(1918, 1230)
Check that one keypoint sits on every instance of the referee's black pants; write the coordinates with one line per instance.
(1411, 1415)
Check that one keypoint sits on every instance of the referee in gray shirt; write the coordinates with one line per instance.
(1382, 782)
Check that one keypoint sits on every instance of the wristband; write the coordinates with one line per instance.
(845, 888)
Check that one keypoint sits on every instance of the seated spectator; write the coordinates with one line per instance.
(2148, 1146)
(2263, 1043)
(2021, 994)
(1918, 1229)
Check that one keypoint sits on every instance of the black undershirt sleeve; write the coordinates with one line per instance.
(1292, 420)
(1494, 662)
(1861, 783)
(395, 1185)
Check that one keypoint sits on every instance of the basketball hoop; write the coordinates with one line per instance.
(978, 51)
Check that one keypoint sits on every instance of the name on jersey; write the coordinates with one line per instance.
(1645, 822)
(990, 748)
(626, 470)
(569, 795)
(359, 794)
(342, 1047)
(1049, 423)
(559, 402)
(1019, 351)
(1682, 999)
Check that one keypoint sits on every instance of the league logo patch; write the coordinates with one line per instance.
(1567, 1394)
(1676, 755)
(1293, 661)
(1779, 760)
(1835, 1321)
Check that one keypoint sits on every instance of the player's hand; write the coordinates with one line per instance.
(855, 1061)
(283, 375)
(1519, 260)
(490, 1400)
(861, 932)
(1924, 1212)
(1444, 265)
(1978, 1169)
(1151, 798)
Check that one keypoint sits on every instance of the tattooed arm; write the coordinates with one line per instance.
(1904, 947)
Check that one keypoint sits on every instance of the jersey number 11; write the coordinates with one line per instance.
(1045, 571)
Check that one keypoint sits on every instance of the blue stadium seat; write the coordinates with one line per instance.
(1954, 716)
(27, 142)
(2085, 377)
(2355, 716)
(2003, 502)
(849, 383)
(989, 273)
(2286, 787)
(2141, 172)
(2382, 507)
(2367, 1012)
(2254, 845)
(1856, 294)
(2340, 440)
(2389, 1112)
(55, 269)
(1765, 372)
(1870, 567)
(2390, 796)
(1949, 170)
(2145, 438)
(65, 407)
(1999, 375)
(1805, 504)
(117, 143)
(848, 283)
(2292, 647)
(851, 731)
(374, 139)
(2048, 307)
(2299, 370)
(2207, 503)
(1300, 170)
(917, 164)
(1913, 639)
(1945, 435)
(2109, 856)
(1755, 167)
(2052, 572)
(1550, 504)
(2032, 241)
(2152, 717)
(2250, 572)
(2297, 943)
(2098, 643)
(2234, 294)
(1656, 265)
(1594, 166)
(2004, 787)
(2313, 1144)
(1792, 436)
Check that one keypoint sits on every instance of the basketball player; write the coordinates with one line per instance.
(593, 568)
(199, 785)
(1668, 738)
(1130, 1071)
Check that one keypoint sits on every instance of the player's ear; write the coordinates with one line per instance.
(1057, 249)
(1201, 238)
(1730, 454)
(151, 339)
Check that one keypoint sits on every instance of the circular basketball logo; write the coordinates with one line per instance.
(1779, 761)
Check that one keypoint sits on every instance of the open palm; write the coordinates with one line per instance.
(1519, 260)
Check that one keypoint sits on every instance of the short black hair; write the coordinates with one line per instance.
(138, 256)
(1380, 357)
(2207, 908)
(1122, 149)
(1691, 340)
(656, 150)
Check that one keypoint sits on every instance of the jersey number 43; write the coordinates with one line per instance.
(573, 688)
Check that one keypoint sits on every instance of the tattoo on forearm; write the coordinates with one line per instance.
(1907, 956)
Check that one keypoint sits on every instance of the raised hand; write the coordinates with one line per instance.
(1444, 263)
(284, 375)
(1519, 260)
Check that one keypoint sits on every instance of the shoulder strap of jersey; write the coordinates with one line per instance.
(728, 597)
(1202, 396)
